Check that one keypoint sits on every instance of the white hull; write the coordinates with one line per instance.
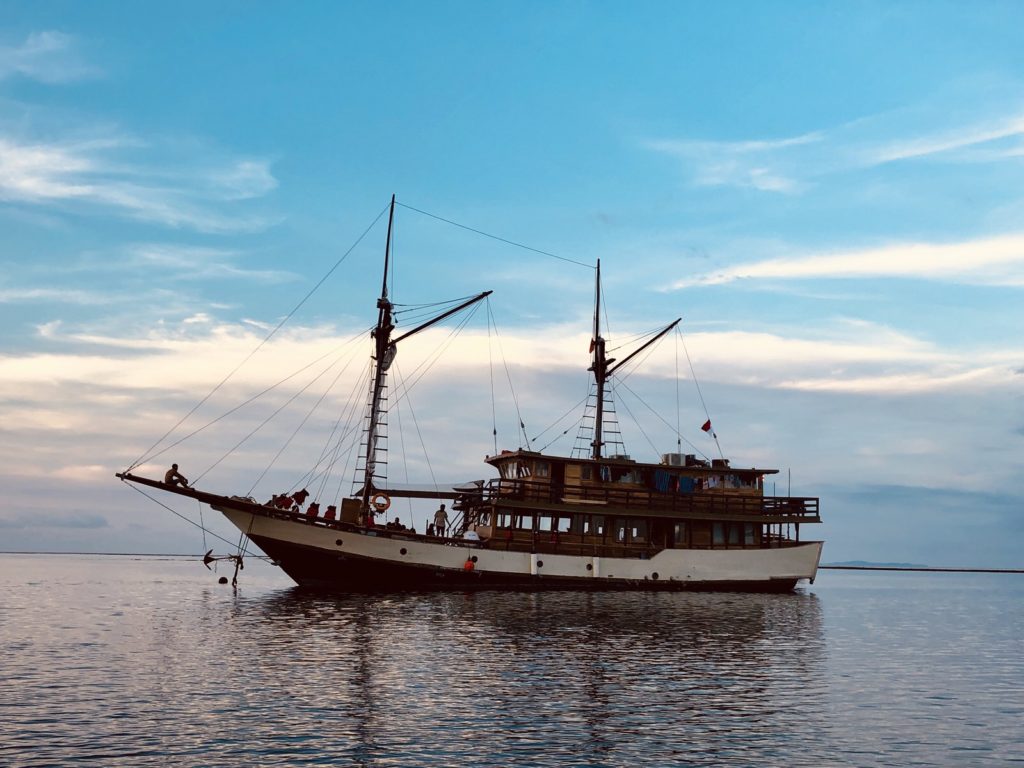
(350, 559)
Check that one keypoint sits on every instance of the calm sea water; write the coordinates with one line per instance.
(141, 661)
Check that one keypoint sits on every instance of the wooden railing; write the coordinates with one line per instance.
(593, 498)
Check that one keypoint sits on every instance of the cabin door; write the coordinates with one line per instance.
(557, 481)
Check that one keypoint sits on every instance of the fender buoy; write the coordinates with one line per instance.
(468, 565)
(381, 502)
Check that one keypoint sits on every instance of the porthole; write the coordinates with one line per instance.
(540, 563)
(473, 559)
(403, 551)
(590, 567)
(654, 575)
(338, 542)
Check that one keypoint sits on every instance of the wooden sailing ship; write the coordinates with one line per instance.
(546, 521)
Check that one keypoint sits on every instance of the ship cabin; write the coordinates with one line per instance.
(618, 507)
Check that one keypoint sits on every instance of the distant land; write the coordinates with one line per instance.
(868, 564)
(864, 565)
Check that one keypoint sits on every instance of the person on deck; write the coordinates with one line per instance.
(174, 477)
(440, 521)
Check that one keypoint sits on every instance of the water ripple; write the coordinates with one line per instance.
(134, 663)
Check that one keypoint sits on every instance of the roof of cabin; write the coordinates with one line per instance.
(611, 461)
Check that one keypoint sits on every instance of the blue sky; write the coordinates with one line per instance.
(828, 193)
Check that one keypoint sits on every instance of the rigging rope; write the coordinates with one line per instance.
(145, 454)
(508, 375)
(183, 517)
(699, 393)
(423, 445)
(495, 237)
(490, 370)
(306, 418)
(636, 421)
(649, 407)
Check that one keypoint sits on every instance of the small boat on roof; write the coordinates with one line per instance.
(591, 521)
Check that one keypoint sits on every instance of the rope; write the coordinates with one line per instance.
(183, 517)
(490, 370)
(508, 375)
(259, 346)
(269, 418)
(302, 423)
(419, 435)
(636, 421)
(649, 407)
(678, 430)
(495, 237)
(699, 393)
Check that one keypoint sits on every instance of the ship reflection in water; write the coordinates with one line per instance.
(527, 678)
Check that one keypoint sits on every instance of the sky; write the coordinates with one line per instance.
(829, 195)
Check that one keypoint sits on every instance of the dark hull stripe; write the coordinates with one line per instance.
(336, 571)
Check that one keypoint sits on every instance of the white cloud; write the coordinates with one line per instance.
(49, 56)
(751, 164)
(27, 295)
(791, 165)
(959, 137)
(198, 194)
(988, 261)
(190, 262)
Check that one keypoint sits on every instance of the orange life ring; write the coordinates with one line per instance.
(381, 502)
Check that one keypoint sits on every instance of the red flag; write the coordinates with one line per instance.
(592, 345)
(706, 426)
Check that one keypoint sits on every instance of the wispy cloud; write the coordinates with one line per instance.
(49, 57)
(950, 140)
(988, 261)
(938, 129)
(751, 164)
(202, 263)
(100, 173)
(27, 295)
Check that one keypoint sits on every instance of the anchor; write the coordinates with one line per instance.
(209, 557)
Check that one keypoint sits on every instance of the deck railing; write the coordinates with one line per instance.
(593, 498)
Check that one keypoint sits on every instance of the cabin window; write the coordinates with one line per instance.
(546, 523)
(638, 532)
(594, 525)
(718, 534)
(524, 470)
(563, 524)
(734, 534)
(485, 519)
(504, 520)
(586, 472)
(748, 534)
(543, 469)
(680, 533)
(524, 522)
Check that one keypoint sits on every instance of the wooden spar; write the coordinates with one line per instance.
(642, 347)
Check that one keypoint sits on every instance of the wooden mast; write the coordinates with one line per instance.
(602, 365)
(385, 349)
(381, 335)
(600, 368)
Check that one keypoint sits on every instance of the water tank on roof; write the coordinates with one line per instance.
(675, 459)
